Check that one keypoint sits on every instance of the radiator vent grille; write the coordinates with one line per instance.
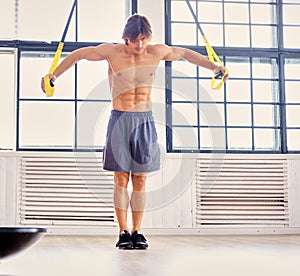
(241, 193)
(65, 191)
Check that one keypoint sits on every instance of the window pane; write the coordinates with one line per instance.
(264, 68)
(236, 13)
(238, 115)
(184, 90)
(92, 119)
(7, 100)
(291, 14)
(266, 139)
(33, 67)
(265, 91)
(210, 11)
(263, 1)
(291, 68)
(290, 1)
(180, 11)
(211, 114)
(239, 139)
(214, 34)
(238, 91)
(185, 114)
(263, 36)
(233, 40)
(239, 67)
(184, 34)
(206, 94)
(212, 138)
(291, 37)
(46, 124)
(263, 14)
(185, 138)
(182, 68)
(96, 22)
(265, 115)
(292, 116)
(38, 25)
(236, 0)
(292, 94)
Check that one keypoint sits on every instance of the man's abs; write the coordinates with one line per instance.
(134, 100)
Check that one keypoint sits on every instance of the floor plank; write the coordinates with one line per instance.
(167, 255)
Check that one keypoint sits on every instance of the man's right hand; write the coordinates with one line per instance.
(52, 77)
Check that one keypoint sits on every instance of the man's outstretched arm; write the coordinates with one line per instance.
(90, 53)
(174, 53)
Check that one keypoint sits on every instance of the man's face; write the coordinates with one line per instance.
(138, 45)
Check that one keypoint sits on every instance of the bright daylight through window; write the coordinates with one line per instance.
(257, 110)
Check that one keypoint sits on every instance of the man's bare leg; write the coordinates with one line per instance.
(138, 200)
(137, 203)
(121, 199)
(121, 202)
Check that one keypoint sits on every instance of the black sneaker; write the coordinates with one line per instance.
(124, 241)
(138, 240)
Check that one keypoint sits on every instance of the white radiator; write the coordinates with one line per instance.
(237, 192)
(65, 191)
(71, 194)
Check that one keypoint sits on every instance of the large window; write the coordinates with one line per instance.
(256, 110)
(75, 117)
(69, 119)
(40, 21)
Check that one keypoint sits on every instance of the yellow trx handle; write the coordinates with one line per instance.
(212, 56)
(48, 84)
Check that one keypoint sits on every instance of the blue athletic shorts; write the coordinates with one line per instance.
(131, 143)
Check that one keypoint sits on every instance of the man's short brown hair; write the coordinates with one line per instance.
(136, 25)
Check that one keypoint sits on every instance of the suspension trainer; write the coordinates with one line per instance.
(48, 83)
(212, 56)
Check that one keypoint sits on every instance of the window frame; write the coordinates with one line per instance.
(279, 53)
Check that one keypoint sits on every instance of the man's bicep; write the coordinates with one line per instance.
(173, 53)
(100, 52)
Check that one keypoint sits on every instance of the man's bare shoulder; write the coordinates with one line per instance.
(110, 48)
(158, 49)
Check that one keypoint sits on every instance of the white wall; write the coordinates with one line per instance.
(154, 10)
(170, 205)
(294, 190)
(8, 189)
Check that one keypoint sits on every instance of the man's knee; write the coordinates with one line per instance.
(121, 199)
(121, 179)
(138, 196)
(139, 182)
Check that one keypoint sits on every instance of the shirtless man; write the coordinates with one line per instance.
(131, 149)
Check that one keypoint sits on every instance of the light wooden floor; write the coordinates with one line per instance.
(176, 255)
